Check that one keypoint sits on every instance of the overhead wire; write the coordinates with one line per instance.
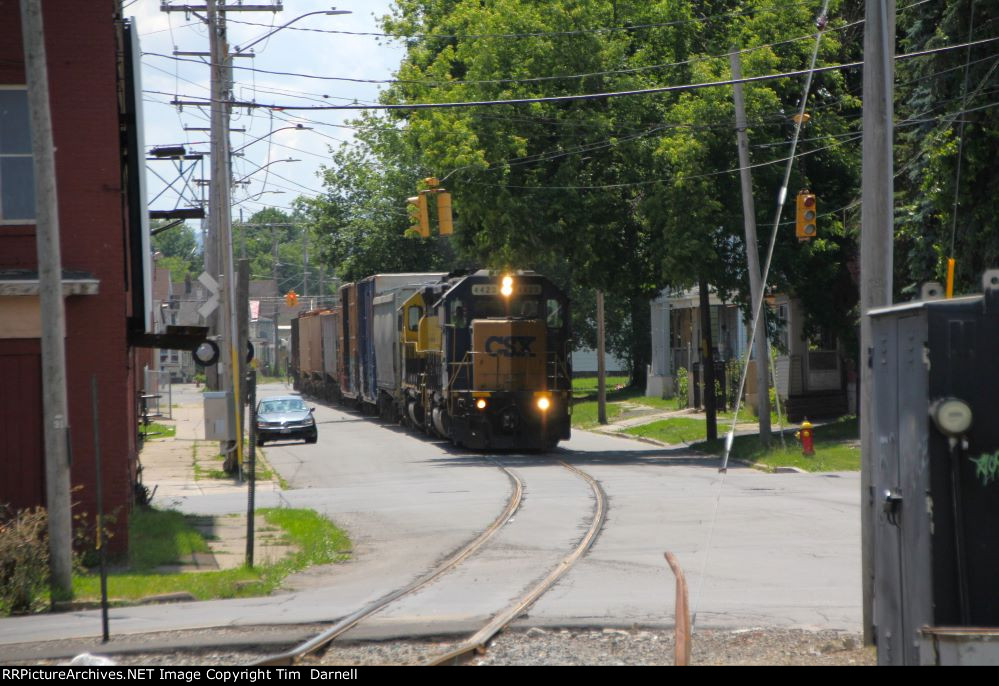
(608, 94)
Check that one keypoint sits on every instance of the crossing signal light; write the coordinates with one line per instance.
(419, 212)
(291, 298)
(806, 216)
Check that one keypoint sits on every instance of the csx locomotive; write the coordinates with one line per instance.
(480, 358)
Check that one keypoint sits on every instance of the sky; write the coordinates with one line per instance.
(291, 50)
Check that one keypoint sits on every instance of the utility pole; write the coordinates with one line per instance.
(54, 397)
(305, 261)
(707, 361)
(876, 241)
(601, 370)
(220, 262)
(221, 203)
(761, 343)
(277, 303)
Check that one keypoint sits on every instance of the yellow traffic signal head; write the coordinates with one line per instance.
(806, 216)
(419, 213)
(444, 213)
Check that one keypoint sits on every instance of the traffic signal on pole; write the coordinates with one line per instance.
(291, 298)
(806, 216)
(444, 213)
(419, 213)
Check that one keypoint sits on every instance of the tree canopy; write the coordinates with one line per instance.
(634, 194)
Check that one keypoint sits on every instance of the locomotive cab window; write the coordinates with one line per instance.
(554, 316)
(458, 316)
(413, 315)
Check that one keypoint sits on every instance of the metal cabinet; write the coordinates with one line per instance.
(936, 559)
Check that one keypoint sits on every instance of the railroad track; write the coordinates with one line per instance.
(475, 644)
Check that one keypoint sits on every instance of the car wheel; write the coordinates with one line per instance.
(312, 439)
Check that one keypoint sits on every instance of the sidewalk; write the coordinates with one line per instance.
(168, 471)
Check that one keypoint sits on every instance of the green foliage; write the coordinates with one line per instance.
(672, 431)
(167, 537)
(178, 249)
(837, 448)
(24, 559)
(931, 95)
(274, 242)
(634, 194)
(682, 387)
(160, 537)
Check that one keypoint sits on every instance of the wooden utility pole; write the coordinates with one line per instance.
(707, 362)
(601, 370)
(54, 397)
(876, 241)
(761, 344)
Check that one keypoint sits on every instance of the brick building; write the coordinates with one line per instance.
(96, 129)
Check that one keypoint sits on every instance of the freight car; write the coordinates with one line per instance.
(482, 359)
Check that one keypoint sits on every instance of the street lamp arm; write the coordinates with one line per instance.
(244, 48)
(298, 127)
(263, 166)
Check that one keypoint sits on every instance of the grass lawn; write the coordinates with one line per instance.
(588, 384)
(584, 413)
(163, 537)
(208, 463)
(674, 430)
(837, 449)
(156, 431)
(584, 410)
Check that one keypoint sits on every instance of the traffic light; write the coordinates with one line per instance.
(291, 298)
(444, 213)
(805, 224)
(419, 213)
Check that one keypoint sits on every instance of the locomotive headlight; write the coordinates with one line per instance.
(544, 404)
(481, 403)
(507, 286)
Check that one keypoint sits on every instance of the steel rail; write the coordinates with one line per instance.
(312, 645)
(476, 644)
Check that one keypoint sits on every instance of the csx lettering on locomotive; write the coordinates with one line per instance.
(510, 346)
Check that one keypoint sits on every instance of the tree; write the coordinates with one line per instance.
(947, 122)
(179, 250)
(361, 220)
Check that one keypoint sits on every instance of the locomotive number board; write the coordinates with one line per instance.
(519, 289)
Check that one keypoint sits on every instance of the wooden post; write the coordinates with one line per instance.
(55, 403)
(601, 369)
(681, 613)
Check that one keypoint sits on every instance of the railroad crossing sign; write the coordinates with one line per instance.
(213, 289)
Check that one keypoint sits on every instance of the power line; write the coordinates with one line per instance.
(598, 96)
(784, 6)
(533, 79)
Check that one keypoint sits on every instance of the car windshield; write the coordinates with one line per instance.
(283, 405)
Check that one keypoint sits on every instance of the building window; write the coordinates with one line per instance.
(17, 177)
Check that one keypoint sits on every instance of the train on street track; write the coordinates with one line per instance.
(481, 358)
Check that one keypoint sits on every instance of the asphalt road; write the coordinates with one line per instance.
(759, 550)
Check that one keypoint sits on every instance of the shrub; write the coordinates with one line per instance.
(24, 559)
(681, 388)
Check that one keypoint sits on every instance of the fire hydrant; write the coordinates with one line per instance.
(807, 439)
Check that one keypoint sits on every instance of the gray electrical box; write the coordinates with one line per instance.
(217, 425)
(935, 395)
